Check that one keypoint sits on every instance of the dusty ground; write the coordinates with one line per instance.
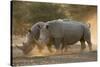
(35, 58)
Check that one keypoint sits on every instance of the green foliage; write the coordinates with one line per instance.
(25, 14)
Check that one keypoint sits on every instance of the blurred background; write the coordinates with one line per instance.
(25, 14)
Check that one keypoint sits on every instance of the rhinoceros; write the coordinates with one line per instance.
(31, 38)
(65, 33)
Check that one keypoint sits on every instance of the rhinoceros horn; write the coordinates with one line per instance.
(20, 47)
(27, 49)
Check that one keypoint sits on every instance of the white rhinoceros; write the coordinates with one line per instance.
(63, 33)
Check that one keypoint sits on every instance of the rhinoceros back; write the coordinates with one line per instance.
(56, 29)
(70, 31)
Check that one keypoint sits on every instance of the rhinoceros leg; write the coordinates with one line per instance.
(57, 43)
(49, 45)
(87, 38)
(64, 47)
(83, 45)
(89, 45)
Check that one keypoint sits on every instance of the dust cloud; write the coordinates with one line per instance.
(92, 20)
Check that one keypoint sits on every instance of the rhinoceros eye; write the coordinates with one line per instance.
(38, 26)
(29, 31)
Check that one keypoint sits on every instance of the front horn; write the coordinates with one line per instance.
(19, 47)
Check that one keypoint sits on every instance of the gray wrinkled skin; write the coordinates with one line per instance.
(34, 32)
(32, 35)
(65, 33)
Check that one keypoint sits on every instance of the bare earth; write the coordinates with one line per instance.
(71, 56)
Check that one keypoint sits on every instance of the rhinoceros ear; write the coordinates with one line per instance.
(29, 31)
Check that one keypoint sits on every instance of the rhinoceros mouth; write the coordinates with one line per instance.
(27, 48)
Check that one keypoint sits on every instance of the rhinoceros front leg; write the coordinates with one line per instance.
(49, 45)
(64, 47)
(57, 44)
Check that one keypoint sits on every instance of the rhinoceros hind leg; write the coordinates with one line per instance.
(89, 45)
(83, 45)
